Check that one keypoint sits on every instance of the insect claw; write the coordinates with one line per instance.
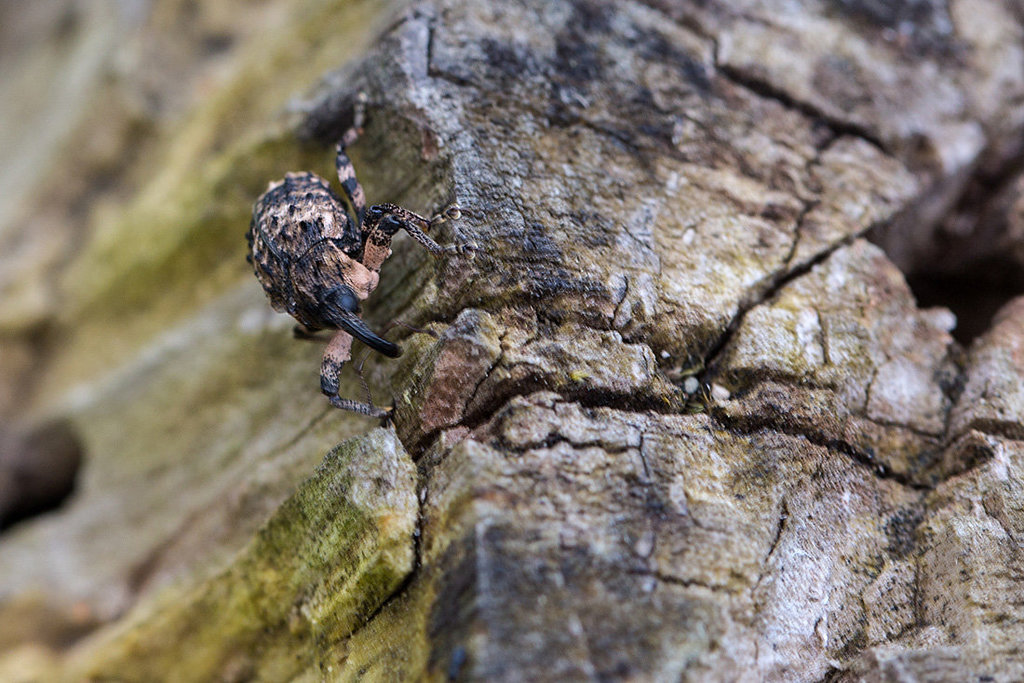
(386, 415)
(451, 213)
(467, 249)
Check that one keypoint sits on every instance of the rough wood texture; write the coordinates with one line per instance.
(662, 193)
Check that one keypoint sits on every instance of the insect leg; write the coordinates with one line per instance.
(346, 171)
(338, 351)
(380, 227)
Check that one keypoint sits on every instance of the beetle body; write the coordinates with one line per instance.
(317, 262)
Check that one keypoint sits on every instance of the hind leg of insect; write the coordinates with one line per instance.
(346, 171)
(337, 353)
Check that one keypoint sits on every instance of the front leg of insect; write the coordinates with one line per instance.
(384, 220)
(317, 262)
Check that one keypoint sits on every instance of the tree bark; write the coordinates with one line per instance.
(681, 419)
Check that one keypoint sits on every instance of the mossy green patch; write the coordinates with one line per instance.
(315, 572)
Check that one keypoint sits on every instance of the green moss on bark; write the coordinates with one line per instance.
(329, 557)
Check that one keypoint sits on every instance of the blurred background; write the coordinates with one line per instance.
(141, 369)
(117, 122)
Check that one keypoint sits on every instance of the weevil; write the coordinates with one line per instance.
(318, 262)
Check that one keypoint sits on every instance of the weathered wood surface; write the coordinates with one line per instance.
(661, 192)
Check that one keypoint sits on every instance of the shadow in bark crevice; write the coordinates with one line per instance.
(38, 469)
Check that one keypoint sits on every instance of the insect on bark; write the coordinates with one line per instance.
(317, 262)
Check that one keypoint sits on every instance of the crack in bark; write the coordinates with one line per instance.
(643, 457)
(1002, 429)
(823, 337)
(557, 438)
(417, 557)
(679, 581)
(497, 361)
(787, 272)
(809, 205)
(588, 397)
(870, 388)
(622, 299)
(832, 673)
(862, 414)
(776, 283)
(917, 595)
(780, 527)
(953, 390)
(746, 426)
(766, 90)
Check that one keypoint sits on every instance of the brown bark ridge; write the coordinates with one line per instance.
(664, 191)
(682, 420)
